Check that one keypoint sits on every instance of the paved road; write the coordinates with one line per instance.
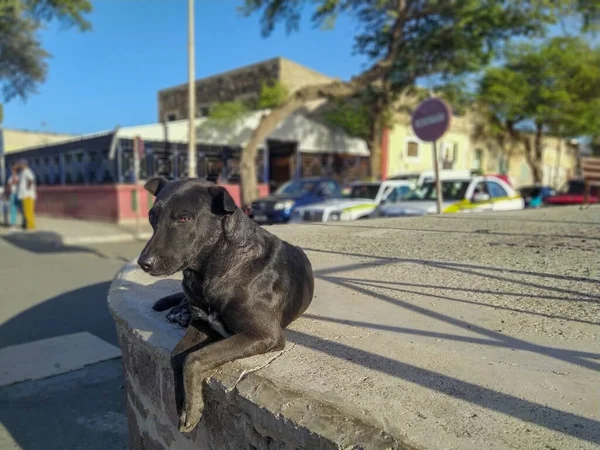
(47, 292)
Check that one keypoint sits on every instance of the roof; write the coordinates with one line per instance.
(311, 136)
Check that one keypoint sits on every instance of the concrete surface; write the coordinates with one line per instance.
(53, 356)
(454, 332)
(55, 232)
(48, 292)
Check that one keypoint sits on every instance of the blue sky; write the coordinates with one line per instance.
(111, 75)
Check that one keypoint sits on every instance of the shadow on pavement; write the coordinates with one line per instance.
(45, 242)
(80, 409)
(83, 309)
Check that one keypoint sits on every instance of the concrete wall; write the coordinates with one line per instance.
(456, 141)
(259, 413)
(111, 203)
(243, 83)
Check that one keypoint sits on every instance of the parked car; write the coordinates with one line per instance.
(418, 178)
(573, 193)
(475, 194)
(277, 207)
(534, 196)
(359, 200)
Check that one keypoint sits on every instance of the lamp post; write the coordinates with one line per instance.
(192, 172)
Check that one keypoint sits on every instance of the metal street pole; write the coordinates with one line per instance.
(192, 172)
(136, 193)
(438, 182)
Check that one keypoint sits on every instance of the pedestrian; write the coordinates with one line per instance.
(11, 203)
(26, 194)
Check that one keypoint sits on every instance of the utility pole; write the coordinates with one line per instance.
(192, 172)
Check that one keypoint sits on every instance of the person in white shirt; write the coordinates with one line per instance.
(26, 193)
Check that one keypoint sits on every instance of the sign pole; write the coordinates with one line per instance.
(438, 181)
(430, 121)
(136, 169)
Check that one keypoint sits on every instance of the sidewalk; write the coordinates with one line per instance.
(56, 231)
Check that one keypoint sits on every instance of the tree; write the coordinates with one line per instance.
(405, 40)
(22, 58)
(548, 89)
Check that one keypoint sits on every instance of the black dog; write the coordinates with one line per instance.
(243, 284)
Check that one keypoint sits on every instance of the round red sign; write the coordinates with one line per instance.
(431, 119)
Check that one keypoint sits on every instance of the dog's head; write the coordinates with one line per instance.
(187, 220)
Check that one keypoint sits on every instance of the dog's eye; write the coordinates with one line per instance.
(151, 218)
(184, 219)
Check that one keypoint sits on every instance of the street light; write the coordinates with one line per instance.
(192, 172)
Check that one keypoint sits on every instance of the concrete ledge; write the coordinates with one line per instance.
(454, 332)
(260, 413)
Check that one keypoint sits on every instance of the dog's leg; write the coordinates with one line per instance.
(168, 302)
(199, 363)
(198, 335)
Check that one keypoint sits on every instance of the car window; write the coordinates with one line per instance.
(326, 187)
(397, 193)
(496, 191)
(454, 190)
(363, 191)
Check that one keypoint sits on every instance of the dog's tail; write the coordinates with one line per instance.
(168, 302)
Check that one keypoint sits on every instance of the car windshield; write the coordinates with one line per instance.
(453, 190)
(296, 187)
(361, 191)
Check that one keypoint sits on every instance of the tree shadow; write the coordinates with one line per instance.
(447, 231)
(45, 242)
(495, 217)
(528, 411)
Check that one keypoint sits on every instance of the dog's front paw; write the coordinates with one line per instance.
(190, 416)
(180, 314)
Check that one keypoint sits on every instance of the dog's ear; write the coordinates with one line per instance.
(222, 203)
(154, 185)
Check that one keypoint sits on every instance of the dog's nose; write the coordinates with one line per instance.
(146, 262)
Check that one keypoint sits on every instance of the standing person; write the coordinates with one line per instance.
(26, 194)
(11, 195)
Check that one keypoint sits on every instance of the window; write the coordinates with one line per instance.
(327, 188)
(171, 117)
(452, 190)
(448, 155)
(397, 194)
(412, 149)
(478, 159)
(496, 190)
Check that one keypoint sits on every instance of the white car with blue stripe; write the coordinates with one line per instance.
(359, 201)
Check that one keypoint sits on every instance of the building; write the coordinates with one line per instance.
(403, 152)
(92, 176)
(243, 83)
(14, 139)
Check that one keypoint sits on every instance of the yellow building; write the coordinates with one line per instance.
(13, 140)
(458, 150)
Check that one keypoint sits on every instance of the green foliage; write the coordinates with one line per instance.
(272, 95)
(22, 58)
(351, 115)
(428, 37)
(227, 113)
(554, 86)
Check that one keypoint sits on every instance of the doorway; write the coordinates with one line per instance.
(281, 163)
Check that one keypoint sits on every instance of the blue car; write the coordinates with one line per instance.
(534, 196)
(277, 207)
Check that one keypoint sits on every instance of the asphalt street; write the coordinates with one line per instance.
(49, 292)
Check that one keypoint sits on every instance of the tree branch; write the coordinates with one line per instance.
(336, 89)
